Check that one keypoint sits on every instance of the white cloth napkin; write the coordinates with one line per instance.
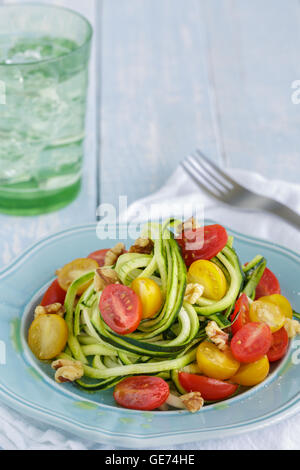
(20, 432)
(181, 190)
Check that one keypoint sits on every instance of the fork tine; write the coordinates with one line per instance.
(200, 174)
(207, 173)
(190, 172)
(224, 182)
(217, 169)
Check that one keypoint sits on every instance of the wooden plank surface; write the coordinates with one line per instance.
(254, 52)
(156, 100)
(211, 73)
(177, 75)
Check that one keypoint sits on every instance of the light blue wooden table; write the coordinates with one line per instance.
(176, 75)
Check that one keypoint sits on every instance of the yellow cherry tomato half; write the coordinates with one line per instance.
(282, 303)
(48, 336)
(72, 271)
(262, 311)
(210, 276)
(214, 363)
(252, 374)
(150, 295)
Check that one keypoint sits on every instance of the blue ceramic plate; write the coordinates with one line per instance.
(28, 386)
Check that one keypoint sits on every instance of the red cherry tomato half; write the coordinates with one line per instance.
(242, 309)
(252, 342)
(210, 389)
(54, 294)
(202, 243)
(121, 308)
(142, 393)
(279, 346)
(268, 285)
(99, 256)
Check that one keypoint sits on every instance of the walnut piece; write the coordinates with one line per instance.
(63, 363)
(53, 309)
(192, 401)
(217, 336)
(67, 370)
(104, 277)
(292, 327)
(193, 293)
(143, 246)
(190, 224)
(113, 254)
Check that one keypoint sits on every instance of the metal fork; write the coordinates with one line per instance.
(219, 185)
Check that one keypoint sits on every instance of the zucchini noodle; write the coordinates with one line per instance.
(162, 345)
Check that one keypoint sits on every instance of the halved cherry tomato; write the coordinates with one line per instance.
(268, 285)
(72, 271)
(99, 256)
(54, 294)
(215, 363)
(47, 336)
(241, 309)
(121, 308)
(210, 276)
(150, 294)
(202, 243)
(280, 345)
(282, 303)
(267, 312)
(252, 342)
(142, 393)
(252, 374)
(210, 389)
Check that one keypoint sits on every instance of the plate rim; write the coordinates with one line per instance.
(77, 228)
(75, 427)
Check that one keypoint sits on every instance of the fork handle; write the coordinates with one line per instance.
(285, 213)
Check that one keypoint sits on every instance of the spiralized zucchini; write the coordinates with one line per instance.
(165, 344)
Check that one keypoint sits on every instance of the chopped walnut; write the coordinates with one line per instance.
(104, 277)
(143, 246)
(190, 224)
(193, 293)
(113, 254)
(67, 370)
(53, 309)
(63, 363)
(217, 336)
(292, 327)
(192, 401)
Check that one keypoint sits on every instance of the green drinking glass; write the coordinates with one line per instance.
(44, 61)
